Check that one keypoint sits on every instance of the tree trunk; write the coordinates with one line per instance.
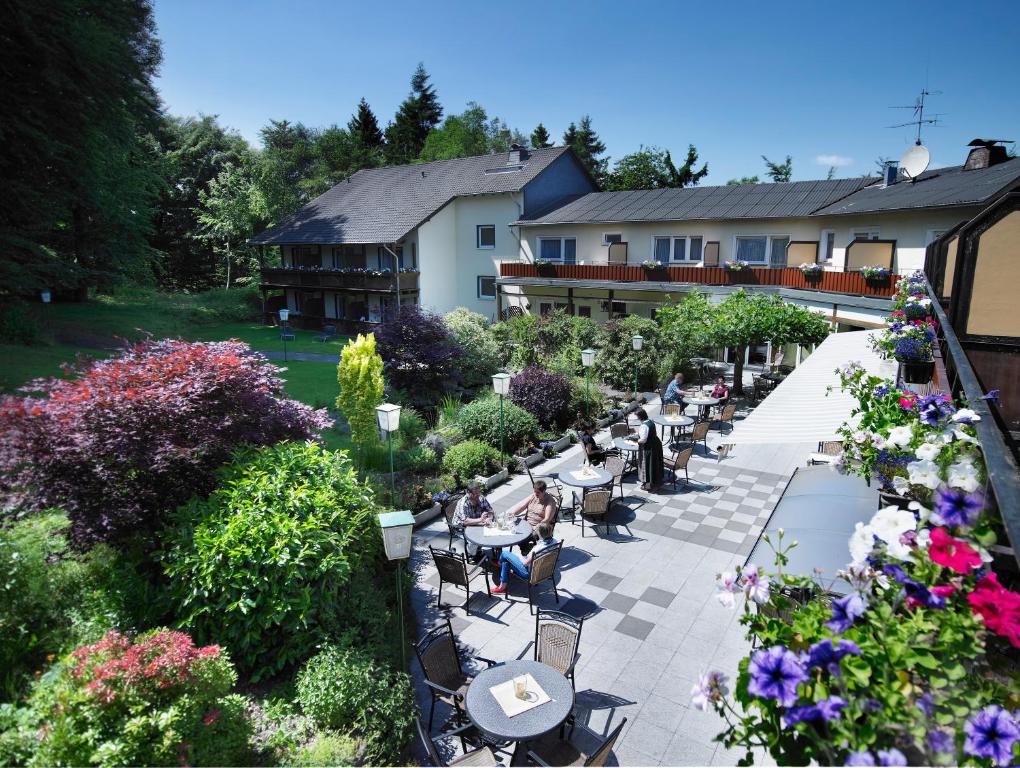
(738, 370)
(228, 265)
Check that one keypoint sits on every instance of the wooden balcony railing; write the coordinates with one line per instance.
(341, 280)
(789, 277)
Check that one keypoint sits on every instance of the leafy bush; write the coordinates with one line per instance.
(421, 356)
(544, 395)
(479, 420)
(561, 337)
(412, 425)
(262, 563)
(585, 402)
(359, 375)
(685, 329)
(329, 749)
(469, 459)
(422, 460)
(132, 437)
(345, 689)
(517, 341)
(155, 700)
(474, 334)
(18, 325)
(616, 360)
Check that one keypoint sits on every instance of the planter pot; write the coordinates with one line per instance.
(656, 273)
(492, 481)
(812, 277)
(420, 518)
(890, 499)
(917, 372)
(531, 459)
(562, 444)
(546, 270)
(604, 422)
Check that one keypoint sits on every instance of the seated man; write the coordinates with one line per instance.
(509, 561)
(592, 450)
(674, 392)
(473, 509)
(538, 508)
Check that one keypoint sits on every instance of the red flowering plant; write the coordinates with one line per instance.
(901, 658)
(152, 700)
(129, 438)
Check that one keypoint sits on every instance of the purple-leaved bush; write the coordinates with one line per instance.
(132, 437)
(420, 355)
(543, 394)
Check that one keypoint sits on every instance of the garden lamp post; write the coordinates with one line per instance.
(284, 314)
(637, 342)
(396, 532)
(587, 360)
(501, 383)
(388, 417)
(45, 296)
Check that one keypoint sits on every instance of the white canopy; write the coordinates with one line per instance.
(798, 410)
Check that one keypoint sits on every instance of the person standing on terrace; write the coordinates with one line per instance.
(650, 469)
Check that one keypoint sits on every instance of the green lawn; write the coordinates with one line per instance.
(310, 382)
(266, 338)
(20, 364)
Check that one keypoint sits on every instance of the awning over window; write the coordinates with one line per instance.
(799, 410)
(819, 510)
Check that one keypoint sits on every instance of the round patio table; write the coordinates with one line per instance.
(703, 403)
(476, 535)
(597, 478)
(488, 716)
(673, 422)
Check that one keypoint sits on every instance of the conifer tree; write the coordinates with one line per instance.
(418, 114)
(779, 172)
(540, 137)
(364, 128)
(588, 147)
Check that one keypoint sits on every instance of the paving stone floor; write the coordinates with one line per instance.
(646, 589)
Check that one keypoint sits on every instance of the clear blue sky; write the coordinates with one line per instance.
(738, 80)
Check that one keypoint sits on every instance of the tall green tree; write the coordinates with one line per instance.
(685, 331)
(366, 137)
(467, 134)
(540, 138)
(227, 214)
(588, 147)
(653, 168)
(78, 158)
(419, 113)
(779, 172)
(360, 376)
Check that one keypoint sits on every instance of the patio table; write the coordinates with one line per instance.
(673, 422)
(488, 716)
(703, 403)
(476, 535)
(774, 376)
(598, 478)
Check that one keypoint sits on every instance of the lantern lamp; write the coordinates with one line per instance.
(637, 341)
(501, 383)
(388, 417)
(587, 357)
(396, 532)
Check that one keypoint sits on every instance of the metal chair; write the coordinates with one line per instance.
(328, 332)
(483, 756)
(620, 430)
(726, 416)
(678, 461)
(543, 568)
(699, 435)
(552, 486)
(557, 637)
(453, 569)
(617, 467)
(440, 664)
(552, 750)
(672, 409)
(449, 508)
(596, 505)
(827, 452)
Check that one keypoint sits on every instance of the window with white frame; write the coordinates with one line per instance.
(864, 233)
(676, 248)
(485, 235)
(557, 249)
(694, 249)
(608, 238)
(486, 287)
(753, 250)
(827, 244)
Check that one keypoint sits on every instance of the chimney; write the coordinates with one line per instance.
(985, 153)
(890, 173)
(517, 155)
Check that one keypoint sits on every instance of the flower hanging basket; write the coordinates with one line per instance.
(914, 372)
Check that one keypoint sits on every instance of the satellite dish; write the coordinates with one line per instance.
(915, 160)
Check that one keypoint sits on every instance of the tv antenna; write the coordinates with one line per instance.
(918, 109)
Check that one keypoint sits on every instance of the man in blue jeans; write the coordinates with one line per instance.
(508, 560)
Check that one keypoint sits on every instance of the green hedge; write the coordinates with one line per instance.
(480, 420)
(472, 457)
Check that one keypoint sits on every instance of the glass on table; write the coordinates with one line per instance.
(521, 687)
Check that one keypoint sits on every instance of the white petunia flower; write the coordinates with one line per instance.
(900, 436)
(965, 416)
(860, 436)
(727, 587)
(901, 485)
(963, 475)
(922, 512)
(889, 524)
(862, 541)
(924, 473)
(928, 451)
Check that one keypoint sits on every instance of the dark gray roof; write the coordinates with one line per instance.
(747, 201)
(937, 188)
(381, 205)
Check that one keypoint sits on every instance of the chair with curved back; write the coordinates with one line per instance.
(620, 429)
(595, 508)
(481, 756)
(617, 467)
(726, 416)
(557, 637)
(552, 486)
(542, 569)
(672, 409)
(453, 568)
(699, 435)
(449, 508)
(444, 675)
(679, 461)
(553, 750)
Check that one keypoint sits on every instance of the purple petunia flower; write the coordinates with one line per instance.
(881, 390)
(991, 734)
(827, 656)
(931, 409)
(845, 611)
(891, 756)
(926, 704)
(820, 712)
(956, 508)
(940, 742)
(860, 758)
(775, 674)
(992, 396)
(915, 590)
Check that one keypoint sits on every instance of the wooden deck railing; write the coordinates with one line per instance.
(789, 277)
(298, 278)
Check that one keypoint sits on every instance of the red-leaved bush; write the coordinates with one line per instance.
(543, 394)
(130, 438)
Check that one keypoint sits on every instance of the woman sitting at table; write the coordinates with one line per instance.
(509, 561)
(650, 469)
(592, 450)
(539, 507)
(721, 391)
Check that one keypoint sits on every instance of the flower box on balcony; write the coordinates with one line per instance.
(380, 283)
(545, 269)
(917, 372)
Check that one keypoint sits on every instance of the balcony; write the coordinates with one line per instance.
(787, 277)
(362, 281)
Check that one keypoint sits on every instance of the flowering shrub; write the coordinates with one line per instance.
(875, 273)
(153, 700)
(473, 333)
(736, 265)
(544, 395)
(901, 668)
(131, 437)
(263, 564)
(811, 270)
(421, 357)
(479, 420)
